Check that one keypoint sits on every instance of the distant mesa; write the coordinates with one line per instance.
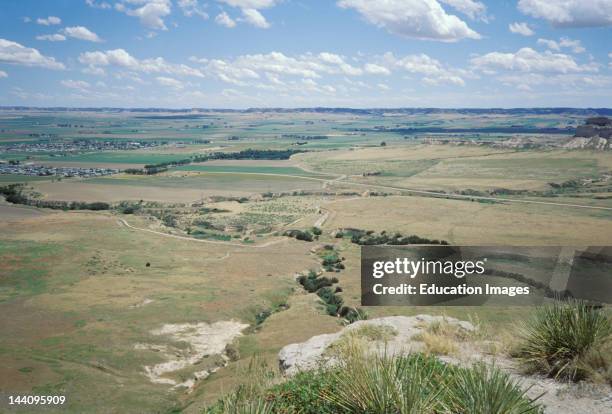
(596, 133)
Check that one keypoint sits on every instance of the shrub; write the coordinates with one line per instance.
(383, 384)
(482, 389)
(302, 394)
(560, 335)
(366, 384)
(352, 315)
(312, 282)
(299, 235)
(333, 302)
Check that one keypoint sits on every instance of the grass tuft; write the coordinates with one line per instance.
(486, 389)
(562, 337)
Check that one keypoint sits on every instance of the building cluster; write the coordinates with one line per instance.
(43, 171)
(77, 146)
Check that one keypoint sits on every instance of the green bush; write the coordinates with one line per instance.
(382, 384)
(373, 384)
(302, 394)
(560, 335)
(483, 389)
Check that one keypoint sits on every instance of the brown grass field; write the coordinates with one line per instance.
(82, 293)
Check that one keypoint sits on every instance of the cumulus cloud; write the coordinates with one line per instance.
(416, 19)
(3, 74)
(274, 64)
(225, 20)
(529, 60)
(75, 84)
(571, 81)
(120, 58)
(433, 71)
(170, 82)
(564, 42)
(254, 18)
(100, 5)
(472, 9)
(17, 54)
(521, 28)
(82, 33)
(278, 69)
(250, 4)
(375, 69)
(52, 37)
(151, 13)
(49, 21)
(192, 8)
(250, 12)
(569, 13)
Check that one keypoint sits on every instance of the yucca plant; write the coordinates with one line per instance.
(236, 404)
(486, 389)
(559, 335)
(388, 385)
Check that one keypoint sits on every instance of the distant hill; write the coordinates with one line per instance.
(596, 133)
(592, 112)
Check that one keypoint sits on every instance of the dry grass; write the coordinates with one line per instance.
(441, 338)
(465, 222)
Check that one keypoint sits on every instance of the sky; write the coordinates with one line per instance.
(306, 53)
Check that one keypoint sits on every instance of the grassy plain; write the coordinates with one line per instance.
(79, 305)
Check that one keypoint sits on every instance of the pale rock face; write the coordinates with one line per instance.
(312, 353)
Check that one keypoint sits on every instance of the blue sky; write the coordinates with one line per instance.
(296, 53)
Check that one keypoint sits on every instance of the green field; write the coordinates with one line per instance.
(16, 178)
(252, 169)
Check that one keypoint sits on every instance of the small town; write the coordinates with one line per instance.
(77, 146)
(42, 171)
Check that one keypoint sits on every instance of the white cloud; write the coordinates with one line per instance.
(101, 5)
(3, 74)
(529, 60)
(521, 28)
(82, 33)
(417, 19)
(374, 69)
(49, 21)
(575, 45)
(250, 12)
(17, 54)
(568, 81)
(564, 42)
(121, 58)
(274, 64)
(570, 13)
(339, 62)
(27, 19)
(224, 20)
(383, 86)
(254, 18)
(52, 37)
(170, 82)
(550, 44)
(75, 84)
(250, 4)
(444, 78)
(192, 8)
(472, 9)
(151, 13)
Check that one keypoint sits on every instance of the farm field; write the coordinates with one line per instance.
(149, 290)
